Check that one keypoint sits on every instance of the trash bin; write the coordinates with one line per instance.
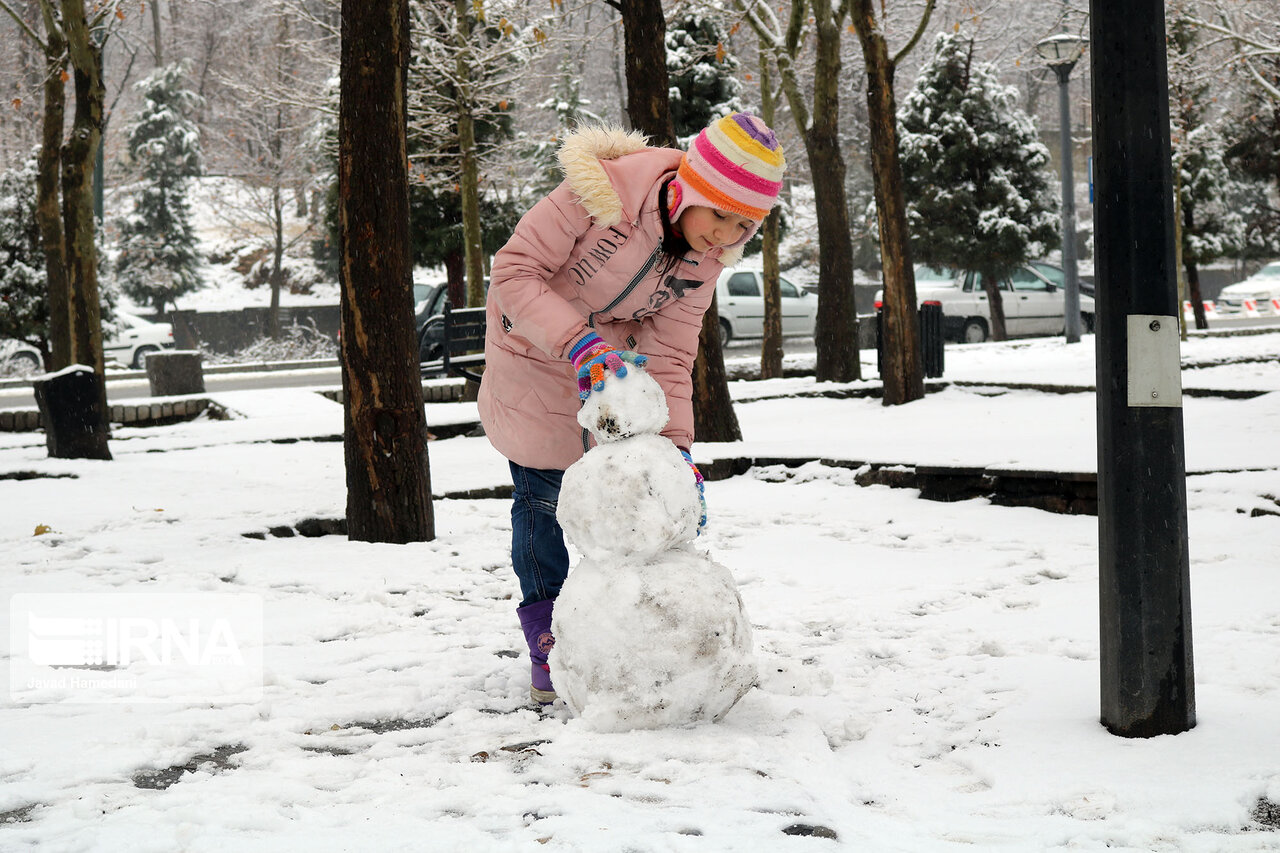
(931, 347)
(932, 358)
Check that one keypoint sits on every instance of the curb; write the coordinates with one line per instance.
(248, 367)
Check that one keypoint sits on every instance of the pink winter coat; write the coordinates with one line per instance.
(588, 256)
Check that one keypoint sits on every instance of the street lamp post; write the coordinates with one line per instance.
(1061, 52)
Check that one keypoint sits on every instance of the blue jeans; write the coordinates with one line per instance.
(538, 553)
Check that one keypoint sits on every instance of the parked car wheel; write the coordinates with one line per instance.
(726, 333)
(23, 363)
(1087, 321)
(428, 350)
(140, 356)
(133, 338)
(975, 330)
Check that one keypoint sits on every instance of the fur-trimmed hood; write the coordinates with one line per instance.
(597, 187)
(580, 157)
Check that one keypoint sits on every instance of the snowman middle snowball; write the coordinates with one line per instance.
(633, 493)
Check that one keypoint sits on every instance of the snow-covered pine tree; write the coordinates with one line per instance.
(1210, 227)
(703, 74)
(24, 304)
(157, 261)
(1253, 158)
(978, 196)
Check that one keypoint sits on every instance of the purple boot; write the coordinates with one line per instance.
(535, 619)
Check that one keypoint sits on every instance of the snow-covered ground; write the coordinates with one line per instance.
(929, 671)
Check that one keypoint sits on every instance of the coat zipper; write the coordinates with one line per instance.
(631, 285)
(635, 280)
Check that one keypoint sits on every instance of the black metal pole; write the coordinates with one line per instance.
(1143, 573)
(1071, 280)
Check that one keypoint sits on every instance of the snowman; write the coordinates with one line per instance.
(649, 632)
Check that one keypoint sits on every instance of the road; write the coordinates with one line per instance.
(21, 397)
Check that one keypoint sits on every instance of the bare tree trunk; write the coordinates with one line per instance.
(619, 80)
(1177, 246)
(648, 97)
(277, 262)
(384, 430)
(771, 347)
(48, 207)
(78, 156)
(155, 33)
(1193, 272)
(902, 372)
(470, 174)
(1197, 301)
(836, 331)
(995, 305)
(648, 105)
(713, 415)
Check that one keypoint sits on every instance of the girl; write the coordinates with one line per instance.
(617, 265)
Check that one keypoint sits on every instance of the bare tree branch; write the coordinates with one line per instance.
(22, 25)
(1235, 36)
(1239, 40)
(917, 35)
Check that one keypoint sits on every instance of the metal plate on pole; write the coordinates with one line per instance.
(1155, 367)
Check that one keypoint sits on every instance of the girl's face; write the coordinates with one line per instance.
(710, 228)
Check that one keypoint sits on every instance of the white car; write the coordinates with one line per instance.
(135, 339)
(1032, 298)
(740, 301)
(1262, 288)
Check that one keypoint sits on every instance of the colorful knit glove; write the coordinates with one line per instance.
(702, 489)
(591, 356)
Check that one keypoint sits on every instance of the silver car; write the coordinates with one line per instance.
(1262, 289)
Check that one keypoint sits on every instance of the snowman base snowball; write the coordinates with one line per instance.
(655, 644)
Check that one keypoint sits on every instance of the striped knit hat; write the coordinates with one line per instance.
(735, 165)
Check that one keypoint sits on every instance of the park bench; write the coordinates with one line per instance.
(462, 343)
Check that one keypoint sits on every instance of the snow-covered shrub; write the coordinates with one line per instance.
(24, 312)
(296, 343)
(298, 275)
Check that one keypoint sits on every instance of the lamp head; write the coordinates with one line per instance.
(1061, 48)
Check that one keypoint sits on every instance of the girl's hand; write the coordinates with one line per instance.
(702, 489)
(592, 357)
